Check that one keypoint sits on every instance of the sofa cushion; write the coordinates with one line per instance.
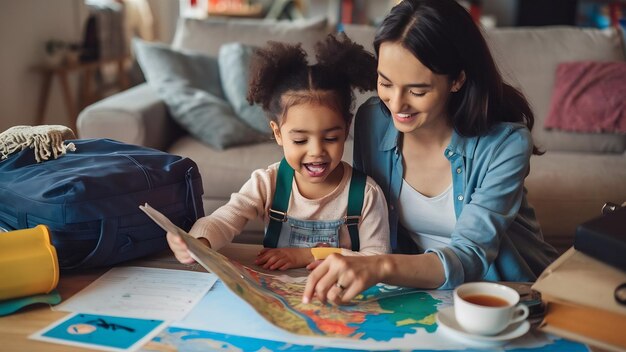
(234, 64)
(189, 84)
(589, 97)
(528, 58)
(163, 65)
(136, 116)
(220, 175)
(207, 36)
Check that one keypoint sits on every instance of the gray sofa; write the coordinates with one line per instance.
(567, 185)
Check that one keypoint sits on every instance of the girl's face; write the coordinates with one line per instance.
(415, 96)
(312, 137)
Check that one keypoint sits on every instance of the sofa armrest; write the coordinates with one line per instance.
(135, 116)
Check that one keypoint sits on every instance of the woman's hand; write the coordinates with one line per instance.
(180, 249)
(338, 279)
(284, 258)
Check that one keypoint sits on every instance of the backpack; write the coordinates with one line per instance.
(89, 199)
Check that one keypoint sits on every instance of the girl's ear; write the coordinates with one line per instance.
(276, 131)
(458, 82)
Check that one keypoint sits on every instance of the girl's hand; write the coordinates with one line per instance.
(283, 258)
(179, 247)
(338, 279)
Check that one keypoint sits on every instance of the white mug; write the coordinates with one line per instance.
(487, 308)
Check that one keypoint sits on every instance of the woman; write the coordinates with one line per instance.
(449, 143)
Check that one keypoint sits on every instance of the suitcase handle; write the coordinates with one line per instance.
(104, 247)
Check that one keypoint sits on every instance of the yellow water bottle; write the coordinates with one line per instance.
(28, 263)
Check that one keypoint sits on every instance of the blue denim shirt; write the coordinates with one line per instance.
(497, 236)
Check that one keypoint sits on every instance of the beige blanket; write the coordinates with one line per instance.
(46, 140)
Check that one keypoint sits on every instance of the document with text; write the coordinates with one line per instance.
(138, 292)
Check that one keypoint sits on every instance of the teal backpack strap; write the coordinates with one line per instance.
(280, 203)
(355, 205)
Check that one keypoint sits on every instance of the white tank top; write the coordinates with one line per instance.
(430, 221)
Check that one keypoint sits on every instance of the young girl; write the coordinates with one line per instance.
(311, 198)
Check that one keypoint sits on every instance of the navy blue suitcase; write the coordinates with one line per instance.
(89, 199)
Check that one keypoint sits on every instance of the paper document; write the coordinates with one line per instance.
(101, 332)
(236, 277)
(139, 292)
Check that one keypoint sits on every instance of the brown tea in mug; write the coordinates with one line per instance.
(486, 300)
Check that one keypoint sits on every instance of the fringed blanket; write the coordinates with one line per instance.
(46, 140)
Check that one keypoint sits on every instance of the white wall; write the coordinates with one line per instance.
(24, 27)
(165, 14)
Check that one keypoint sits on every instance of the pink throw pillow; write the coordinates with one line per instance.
(589, 97)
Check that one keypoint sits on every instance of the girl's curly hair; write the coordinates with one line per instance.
(280, 76)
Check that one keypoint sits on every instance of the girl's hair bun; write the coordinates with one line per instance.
(340, 55)
(270, 66)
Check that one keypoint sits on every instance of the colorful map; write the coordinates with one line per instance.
(223, 322)
(380, 313)
(381, 318)
(180, 339)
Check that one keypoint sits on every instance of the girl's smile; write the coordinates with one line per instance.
(313, 137)
(316, 169)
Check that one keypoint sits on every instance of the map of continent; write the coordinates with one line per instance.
(382, 312)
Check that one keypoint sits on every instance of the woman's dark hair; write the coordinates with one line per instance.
(443, 37)
(280, 76)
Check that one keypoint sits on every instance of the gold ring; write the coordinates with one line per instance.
(340, 286)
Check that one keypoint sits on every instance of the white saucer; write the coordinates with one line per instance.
(448, 324)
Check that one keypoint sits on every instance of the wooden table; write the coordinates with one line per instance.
(87, 71)
(15, 328)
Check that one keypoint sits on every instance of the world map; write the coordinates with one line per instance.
(380, 313)
(223, 322)
(381, 318)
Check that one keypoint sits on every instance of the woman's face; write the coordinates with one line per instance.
(415, 96)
